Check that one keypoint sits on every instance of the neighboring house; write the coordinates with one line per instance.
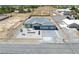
(67, 21)
(66, 12)
(74, 25)
(70, 23)
(63, 10)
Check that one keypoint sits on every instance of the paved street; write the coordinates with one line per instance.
(39, 48)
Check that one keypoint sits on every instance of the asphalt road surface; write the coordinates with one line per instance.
(39, 48)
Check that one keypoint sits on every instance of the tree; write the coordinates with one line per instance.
(6, 9)
(28, 10)
(32, 7)
(20, 8)
(73, 8)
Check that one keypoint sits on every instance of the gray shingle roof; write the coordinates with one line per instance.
(74, 25)
(43, 21)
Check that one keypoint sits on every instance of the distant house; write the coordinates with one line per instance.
(17, 11)
(71, 23)
(66, 12)
(63, 10)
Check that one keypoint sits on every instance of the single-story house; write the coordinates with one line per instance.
(40, 24)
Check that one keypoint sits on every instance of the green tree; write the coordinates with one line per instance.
(6, 9)
(28, 10)
(73, 8)
(20, 8)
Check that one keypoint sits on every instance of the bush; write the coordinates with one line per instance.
(75, 9)
(6, 10)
